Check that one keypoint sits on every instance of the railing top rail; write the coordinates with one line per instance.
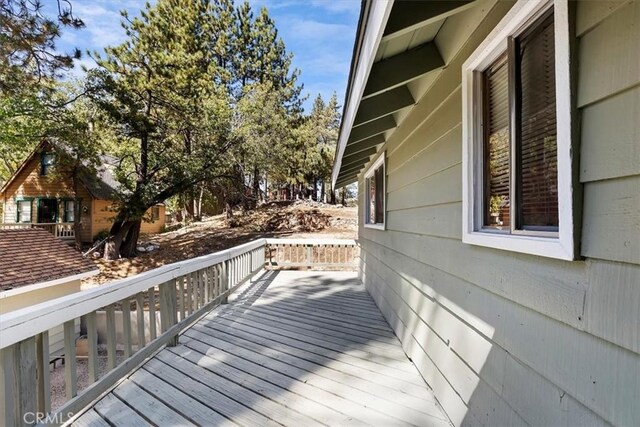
(29, 321)
(311, 242)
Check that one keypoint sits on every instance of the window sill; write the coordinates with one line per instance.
(533, 245)
(375, 226)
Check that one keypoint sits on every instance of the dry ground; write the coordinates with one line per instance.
(276, 219)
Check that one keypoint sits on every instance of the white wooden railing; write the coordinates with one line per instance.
(314, 253)
(62, 230)
(180, 293)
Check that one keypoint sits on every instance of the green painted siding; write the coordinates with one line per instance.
(505, 338)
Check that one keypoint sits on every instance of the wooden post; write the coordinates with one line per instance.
(70, 372)
(152, 313)
(92, 338)
(42, 372)
(111, 337)
(189, 280)
(18, 382)
(224, 281)
(168, 309)
(140, 319)
(126, 326)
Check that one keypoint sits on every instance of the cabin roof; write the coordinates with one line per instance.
(33, 255)
(101, 185)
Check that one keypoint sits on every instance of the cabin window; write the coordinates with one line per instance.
(23, 211)
(155, 213)
(374, 181)
(517, 142)
(46, 163)
(69, 211)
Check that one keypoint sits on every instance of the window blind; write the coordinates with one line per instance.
(371, 183)
(537, 149)
(497, 144)
(379, 196)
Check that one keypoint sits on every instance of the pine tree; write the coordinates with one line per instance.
(163, 87)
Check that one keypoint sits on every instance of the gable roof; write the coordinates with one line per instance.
(101, 185)
(33, 255)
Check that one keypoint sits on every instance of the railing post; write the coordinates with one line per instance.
(92, 339)
(70, 372)
(18, 380)
(224, 280)
(168, 308)
(309, 255)
(42, 372)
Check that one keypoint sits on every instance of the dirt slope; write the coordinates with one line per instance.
(277, 219)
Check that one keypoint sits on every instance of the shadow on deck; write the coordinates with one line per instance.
(292, 348)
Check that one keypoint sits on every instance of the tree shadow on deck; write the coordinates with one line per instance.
(293, 348)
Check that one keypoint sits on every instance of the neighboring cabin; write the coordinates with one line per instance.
(36, 267)
(497, 150)
(34, 195)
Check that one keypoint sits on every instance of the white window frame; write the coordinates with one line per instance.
(520, 17)
(19, 218)
(379, 161)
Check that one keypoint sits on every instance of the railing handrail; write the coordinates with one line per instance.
(312, 242)
(29, 321)
(31, 224)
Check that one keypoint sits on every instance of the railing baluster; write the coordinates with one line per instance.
(168, 309)
(140, 319)
(42, 372)
(224, 281)
(112, 359)
(92, 341)
(70, 373)
(203, 286)
(206, 280)
(188, 278)
(152, 313)
(18, 386)
(126, 327)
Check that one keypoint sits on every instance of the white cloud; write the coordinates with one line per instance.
(315, 30)
(338, 6)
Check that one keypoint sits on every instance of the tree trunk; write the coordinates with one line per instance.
(343, 197)
(256, 186)
(130, 243)
(118, 231)
(314, 196)
(198, 213)
(322, 193)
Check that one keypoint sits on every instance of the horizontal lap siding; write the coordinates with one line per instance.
(104, 214)
(155, 226)
(506, 338)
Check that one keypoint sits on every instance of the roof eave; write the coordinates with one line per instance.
(373, 20)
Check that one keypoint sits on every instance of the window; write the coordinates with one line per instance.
(517, 134)
(47, 161)
(374, 181)
(23, 211)
(155, 213)
(69, 211)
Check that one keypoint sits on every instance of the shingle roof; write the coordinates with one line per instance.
(32, 255)
(102, 185)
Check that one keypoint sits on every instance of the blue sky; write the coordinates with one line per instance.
(319, 33)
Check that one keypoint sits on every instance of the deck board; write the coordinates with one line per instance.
(293, 348)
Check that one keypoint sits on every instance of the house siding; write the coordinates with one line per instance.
(103, 215)
(506, 338)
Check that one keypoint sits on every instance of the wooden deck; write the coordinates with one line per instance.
(293, 349)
